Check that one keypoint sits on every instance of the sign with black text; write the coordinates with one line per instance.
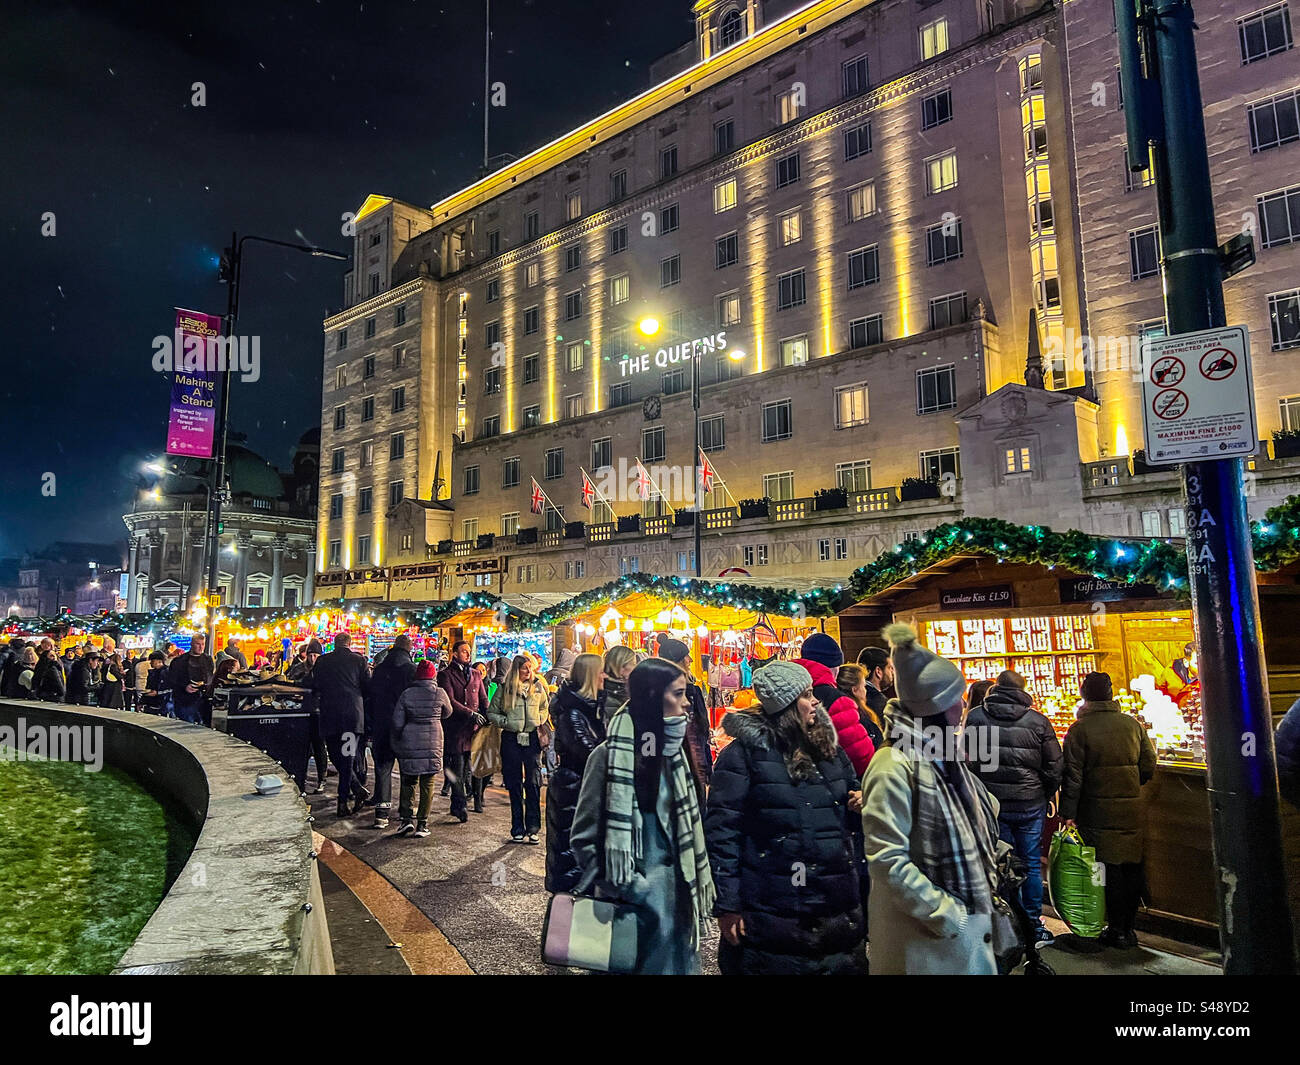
(990, 597)
(1097, 590)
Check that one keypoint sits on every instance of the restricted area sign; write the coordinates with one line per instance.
(1198, 401)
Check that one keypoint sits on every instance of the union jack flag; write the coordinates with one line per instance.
(588, 491)
(642, 481)
(539, 498)
(707, 472)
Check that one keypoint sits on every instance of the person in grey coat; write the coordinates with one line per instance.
(416, 740)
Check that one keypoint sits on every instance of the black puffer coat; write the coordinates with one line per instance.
(1029, 762)
(391, 677)
(577, 732)
(782, 856)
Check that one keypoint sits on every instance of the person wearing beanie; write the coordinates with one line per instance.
(341, 680)
(930, 827)
(697, 716)
(821, 657)
(390, 678)
(416, 740)
(1024, 776)
(1108, 757)
(784, 796)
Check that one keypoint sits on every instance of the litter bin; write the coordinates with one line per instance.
(275, 718)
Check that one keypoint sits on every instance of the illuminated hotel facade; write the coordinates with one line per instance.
(848, 216)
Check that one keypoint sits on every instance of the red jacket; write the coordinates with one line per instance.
(844, 715)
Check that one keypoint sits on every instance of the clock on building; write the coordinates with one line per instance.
(650, 408)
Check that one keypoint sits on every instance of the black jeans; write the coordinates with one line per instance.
(318, 751)
(384, 760)
(1123, 895)
(349, 784)
(456, 772)
(522, 769)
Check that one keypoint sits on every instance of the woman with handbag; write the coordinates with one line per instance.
(519, 709)
(577, 732)
(779, 829)
(638, 833)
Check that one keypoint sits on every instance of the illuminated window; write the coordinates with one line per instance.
(1041, 219)
(341, 377)
(469, 529)
(1016, 460)
(575, 406)
(934, 38)
(729, 309)
(1151, 523)
(573, 206)
(510, 523)
(574, 356)
(853, 476)
(620, 289)
(791, 227)
(1177, 522)
(862, 201)
(779, 486)
(724, 195)
(532, 275)
(941, 173)
(367, 458)
(1031, 73)
(851, 405)
(1138, 179)
(789, 105)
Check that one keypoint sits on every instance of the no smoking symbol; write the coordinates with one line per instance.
(1218, 364)
(1170, 404)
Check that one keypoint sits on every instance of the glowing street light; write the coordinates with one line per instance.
(649, 326)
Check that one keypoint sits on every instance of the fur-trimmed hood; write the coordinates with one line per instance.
(754, 729)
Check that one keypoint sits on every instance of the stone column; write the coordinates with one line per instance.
(197, 576)
(239, 591)
(309, 577)
(155, 543)
(278, 546)
(133, 564)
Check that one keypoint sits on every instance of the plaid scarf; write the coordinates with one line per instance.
(623, 818)
(954, 829)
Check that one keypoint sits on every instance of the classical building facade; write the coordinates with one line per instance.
(56, 578)
(858, 223)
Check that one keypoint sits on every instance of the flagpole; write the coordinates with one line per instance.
(599, 494)
(671, 508)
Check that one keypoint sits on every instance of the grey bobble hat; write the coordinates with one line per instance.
(926, 684)
(779, 684)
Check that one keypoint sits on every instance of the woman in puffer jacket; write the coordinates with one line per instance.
(417, 742)
(577, 732)
(619, 663)
(778, 831)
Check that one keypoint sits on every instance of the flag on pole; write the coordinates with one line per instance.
(539, 498)
(707, 472)
(643, 481)
(588, 490)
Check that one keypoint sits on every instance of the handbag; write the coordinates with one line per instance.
(485, 752)
(588, 933)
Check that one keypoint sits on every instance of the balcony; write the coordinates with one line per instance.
(461, 548)
(552, 537)
(722, 518)
(660, 525)
(874, 500)
(602, 533)
(791, 509)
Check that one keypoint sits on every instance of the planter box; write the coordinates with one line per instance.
(918, 490)
(575, 530)
(684, 517)
(629, 523)
(834, 500)
(526, 536)
(485, 540)
(754, 510)
(1140, 466)
(1286, 448)
(444, 547)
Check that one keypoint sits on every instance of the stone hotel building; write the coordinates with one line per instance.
(875, 228)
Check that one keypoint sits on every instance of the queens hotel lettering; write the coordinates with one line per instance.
(665, 357)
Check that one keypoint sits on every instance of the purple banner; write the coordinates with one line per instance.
(193, 420)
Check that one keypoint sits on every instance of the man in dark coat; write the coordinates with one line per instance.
(341, 680)
(189, 677)
(698, 732)
(84, 681)
(391, 677)
(1016, 752)
(1108, 757)
(880, 676)
(468, 694)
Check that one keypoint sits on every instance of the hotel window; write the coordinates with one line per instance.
(617, 240)
(532, 275)
(370, 328)
(365, 498)
(729, 309)
(572, 258)
(1274, 122)
(823, 550)
(494, 242)
(940, 173)
(861, 201)
(940, 462)
(713, 433)
(853, 77)
(1017, 460)
(747, 555)
(343, 339)
(617, 186)
(936, 389)
(616, 342)
(788, 106)
(341, 377)
(510, 472)
(363, 550)
(336, 505)
(491, 333)
(368, 409)
(367, 455)
(790, 290)
(397, 447)
(853, 476)
(731, 30)
(791, 227)
(857, 141)
(492, 293)
(374, 284)
(531, 321)
(787, 170)
(1035, 142)
(399, 399)
(367, 367)
(670, 271)
(340, 417)
(726, 251)
(471, 481)
(868, 331)
(794, 350)
(1049, 295)
(934, 38)
(573, 306)
(669, 219)
(943, 242)
(1151, 523)
(629, 565)
(1289, 408)
(532, 225)
(620, 288)
(399, 357)
(573, 356)
(602, 451)
(724, 195)
(336, 461)
(851, 405)
(724, 136)
(674, 382)
(1284, 315)
(841, 548)
(554, 463)
(1031, 74)
(396, 492)
(620, 395)
(1265, 33)
(408, 542)
(668, 161)
(652, 444)
(725, 368)
(510, 523)
(1279, 217)
(685, 561)
(778, 420)
(469, 529)
(1177, 522)
(532, 368)
(779, 486)
(864, 267)
(336, 553)
(1143, 253)
(492, 381)
(574, 570)
(573, 206)
(1041, 217)
(936, 109)
(492, 425)
(532, 416)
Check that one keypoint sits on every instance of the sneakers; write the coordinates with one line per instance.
(516, 838)
(1113, 937)
(532, 838)
(407, 829)
(422, 831)
(1043, 936)
(359, 803)
(380, 822)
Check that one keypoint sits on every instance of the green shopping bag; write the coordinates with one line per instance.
(1076, 883)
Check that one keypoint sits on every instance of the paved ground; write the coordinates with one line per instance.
(467, 899)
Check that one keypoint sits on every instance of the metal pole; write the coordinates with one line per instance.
(487, 78)
(217, 486)
(695, 458)
(1254, 922)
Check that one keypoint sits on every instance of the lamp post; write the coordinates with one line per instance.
(231, 269)
(172, 469)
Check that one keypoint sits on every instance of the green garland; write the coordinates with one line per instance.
(1277, 537)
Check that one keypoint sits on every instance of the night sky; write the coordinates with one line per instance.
(310, 106)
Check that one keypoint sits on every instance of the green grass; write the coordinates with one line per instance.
(85, 858)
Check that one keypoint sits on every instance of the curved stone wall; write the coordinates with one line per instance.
(248, 900)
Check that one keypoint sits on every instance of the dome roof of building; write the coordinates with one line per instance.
(247, 473)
